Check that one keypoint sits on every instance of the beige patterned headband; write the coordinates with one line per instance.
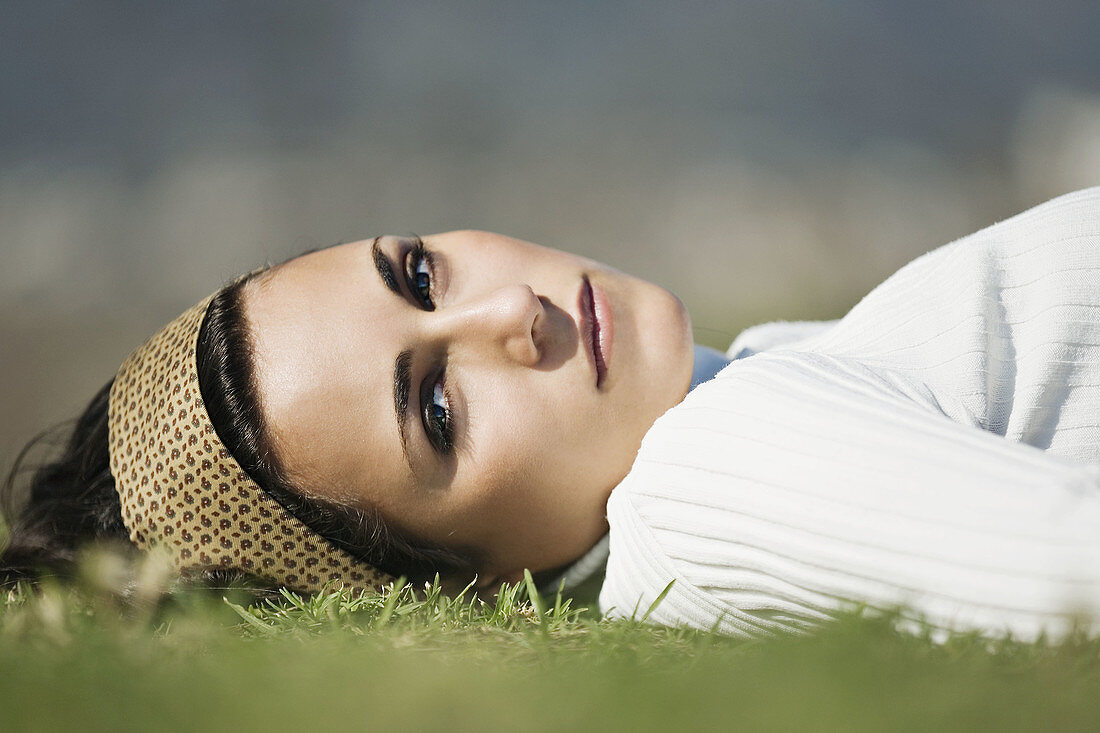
(182, 490)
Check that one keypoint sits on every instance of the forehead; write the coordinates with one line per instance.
(321, 347)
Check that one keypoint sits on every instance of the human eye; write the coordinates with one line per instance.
(436, 414)
(418, 274)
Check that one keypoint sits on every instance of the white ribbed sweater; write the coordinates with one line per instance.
(936, 448)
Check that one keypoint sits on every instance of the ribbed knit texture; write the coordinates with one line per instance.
(868, 463)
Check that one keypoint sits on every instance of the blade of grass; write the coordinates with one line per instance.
(533, 596)
(396, 591)
(248, 617)
(657, 601)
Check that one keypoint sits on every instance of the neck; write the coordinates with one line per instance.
(708, 362)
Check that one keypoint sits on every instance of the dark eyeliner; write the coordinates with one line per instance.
(441, 436)
(417, 254)
(437, 420)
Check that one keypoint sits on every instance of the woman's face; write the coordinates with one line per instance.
(483, 393)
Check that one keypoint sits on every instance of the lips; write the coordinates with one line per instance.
(596, 327)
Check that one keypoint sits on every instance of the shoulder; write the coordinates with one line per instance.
(1047, 230)
(1079, 207)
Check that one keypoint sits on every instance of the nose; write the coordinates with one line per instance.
(504, 322)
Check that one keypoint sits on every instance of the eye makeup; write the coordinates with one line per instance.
(436, 413)
(435, 405)
(434, 402)
(420, 274)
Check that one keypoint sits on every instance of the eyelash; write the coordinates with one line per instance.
(418, 255)
(439, 427)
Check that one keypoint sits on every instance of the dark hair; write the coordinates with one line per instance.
(71, 500)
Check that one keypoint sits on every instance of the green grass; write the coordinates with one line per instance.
(85, 656)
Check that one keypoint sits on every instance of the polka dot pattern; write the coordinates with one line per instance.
(181, 489)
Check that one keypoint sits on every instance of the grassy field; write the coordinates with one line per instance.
(83, 657)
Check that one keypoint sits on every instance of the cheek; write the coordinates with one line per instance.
(520, 448)
(545, 468)
(515, 433)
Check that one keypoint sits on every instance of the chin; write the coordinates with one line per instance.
(680, 356)
(669, 359)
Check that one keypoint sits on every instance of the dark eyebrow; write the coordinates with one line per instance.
(402, 381)
(383, 266)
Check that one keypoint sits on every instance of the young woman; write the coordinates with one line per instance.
(475, 405)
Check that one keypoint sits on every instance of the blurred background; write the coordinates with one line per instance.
(764, 160)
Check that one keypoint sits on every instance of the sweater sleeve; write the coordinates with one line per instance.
(795, 484)
(999, 329)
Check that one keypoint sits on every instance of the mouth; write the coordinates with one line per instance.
(596, 327)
